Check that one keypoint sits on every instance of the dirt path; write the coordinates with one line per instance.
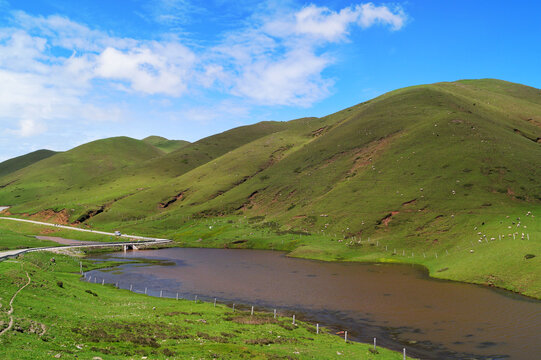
(11, 306)
(64, 241)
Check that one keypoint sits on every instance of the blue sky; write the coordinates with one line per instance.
(76, 71)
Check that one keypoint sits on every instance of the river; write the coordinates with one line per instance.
(398, 304)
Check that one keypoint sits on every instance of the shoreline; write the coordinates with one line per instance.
(289, 253)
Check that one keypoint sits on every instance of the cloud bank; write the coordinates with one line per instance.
(53, 69)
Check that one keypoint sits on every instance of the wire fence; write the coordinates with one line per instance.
(164, 293)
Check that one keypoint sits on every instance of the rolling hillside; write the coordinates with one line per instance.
(12, 165)
(445, 175)
(164, 144)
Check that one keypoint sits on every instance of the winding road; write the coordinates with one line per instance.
(140, 239)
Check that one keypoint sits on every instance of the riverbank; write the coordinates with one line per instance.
(502, 260)
(499, 257)
(58, 315)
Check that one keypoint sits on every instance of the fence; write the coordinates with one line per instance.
(198, 299)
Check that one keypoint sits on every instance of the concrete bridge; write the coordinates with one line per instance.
(134, 244)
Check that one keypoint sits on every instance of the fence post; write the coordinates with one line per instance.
(317, 328)
(252, 311)
(404, 353)
(102, 281)
(293, 319)
(214, 302)
(233, 307)
(81, 267)
(374, 344)
(275, 313)
(131, 287)
(195, 301)
(161, 293)
(145, 291)
(346, 336)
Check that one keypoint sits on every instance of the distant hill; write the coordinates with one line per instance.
(426, 169)
(12, 165)
(74, 174)
(164, 144)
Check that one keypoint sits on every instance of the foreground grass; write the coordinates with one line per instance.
(58, 315)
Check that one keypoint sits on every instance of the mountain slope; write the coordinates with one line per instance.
(12, 165)
(74, 174)
(431, 174)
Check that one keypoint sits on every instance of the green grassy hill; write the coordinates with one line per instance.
(74, 176)
(164, 144)
(12, 165)
(445, 175)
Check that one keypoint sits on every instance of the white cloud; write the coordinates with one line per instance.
(29, 127)
(151, 69)
(173, 12)
(274, 59)
(369, 14)
(67, 34)
(293, 80)
(320, 23)
(279, 59)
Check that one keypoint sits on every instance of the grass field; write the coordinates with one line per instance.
(58, 315)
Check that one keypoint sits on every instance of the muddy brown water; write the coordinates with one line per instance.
(398, 304)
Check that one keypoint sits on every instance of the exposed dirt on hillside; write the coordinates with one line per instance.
(411, 202)
(250, 202)
(320, 131)
(534, 121)
(387, 218)
(49, 215)
(179, 196)
(364, 156)
(89, 214)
